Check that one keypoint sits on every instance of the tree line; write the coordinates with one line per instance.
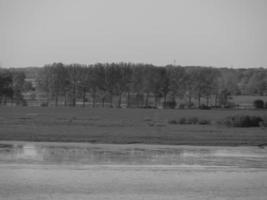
(141, 82)
(136, 85)
(12, 86)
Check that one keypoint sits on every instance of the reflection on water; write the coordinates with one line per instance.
(93, 154)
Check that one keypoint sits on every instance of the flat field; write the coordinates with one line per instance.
(124, 126)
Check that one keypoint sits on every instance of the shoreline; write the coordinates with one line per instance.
(134, 144)
(143, 145)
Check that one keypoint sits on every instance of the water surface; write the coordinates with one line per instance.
(60, 171)
(133, 154)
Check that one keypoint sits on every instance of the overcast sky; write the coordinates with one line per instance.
(222, 33)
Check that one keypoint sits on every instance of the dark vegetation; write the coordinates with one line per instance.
(229, 121)
(259, 104)
(12, 86)
(244, 121)
(190, 120)
(165, 84)
(132, 85)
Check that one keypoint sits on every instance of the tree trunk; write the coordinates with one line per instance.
(146, 101)
(48, 99)
(139, 100)
(94, 98)
(190, 100)
(128, 99)
(65, 99)
(111, 100)
(164, 100)
(199, 98)
(103, 102)
(4, 100)
(74, 102)
(84, 97)
(12, 100)
(155, 100)
(119, 103)
(56, 100)
(74, 96)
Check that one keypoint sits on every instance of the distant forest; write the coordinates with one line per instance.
(68, 84)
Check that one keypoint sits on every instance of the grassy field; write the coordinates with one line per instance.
(124, 126)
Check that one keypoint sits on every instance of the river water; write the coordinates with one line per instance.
(134, 154)
(48, 171)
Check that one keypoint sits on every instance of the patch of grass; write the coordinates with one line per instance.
(127, 126)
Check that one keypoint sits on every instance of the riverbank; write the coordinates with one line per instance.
(135, 182)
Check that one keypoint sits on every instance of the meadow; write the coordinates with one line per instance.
(125, 126)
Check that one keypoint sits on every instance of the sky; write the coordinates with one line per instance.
(219, 33)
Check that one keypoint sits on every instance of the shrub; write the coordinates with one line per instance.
(242, 121)
(182, 120)
(204, 107)
(147, 119)
(258, 104)
(172, 121)
(263, 123)
(24, 102)
(160, 124)
(203, 122)
(190, 105)
(230, 105)
(149, 107)
(44, 104)
(169, 104)
(192, 120)
(182, 106)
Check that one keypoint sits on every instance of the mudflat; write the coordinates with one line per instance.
(130, 182)
(46, 171)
